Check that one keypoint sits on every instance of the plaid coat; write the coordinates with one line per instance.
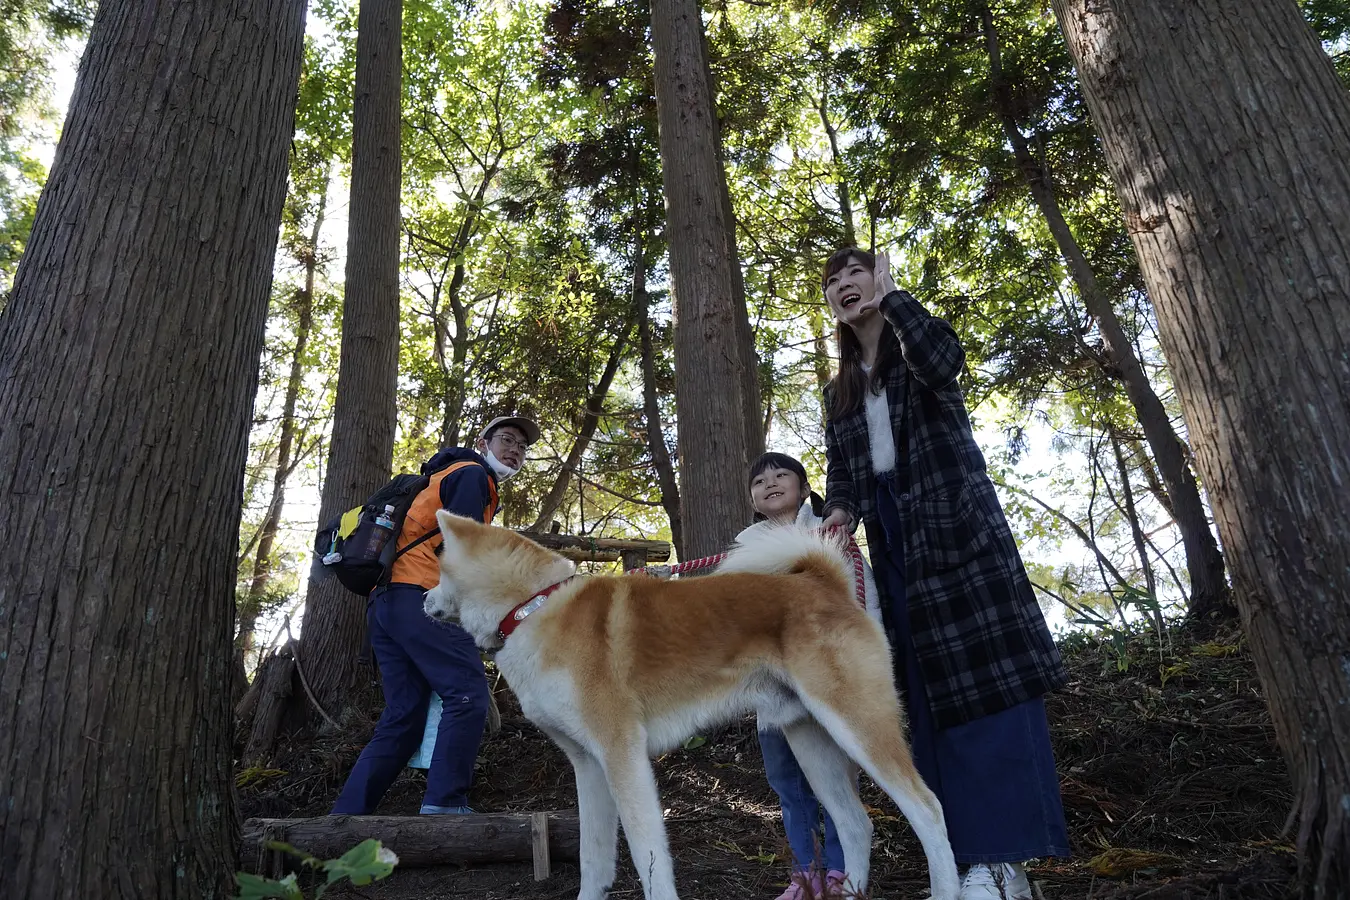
(980, 638)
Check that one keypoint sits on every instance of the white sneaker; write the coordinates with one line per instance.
(995, 881)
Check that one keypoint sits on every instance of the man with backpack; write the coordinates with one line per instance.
(417, 654)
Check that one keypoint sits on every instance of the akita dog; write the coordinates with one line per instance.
(618, 669)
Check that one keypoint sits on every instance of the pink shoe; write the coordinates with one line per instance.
(802, 886)
(836, 884)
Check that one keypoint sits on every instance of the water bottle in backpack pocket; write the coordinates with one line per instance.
(360, 546)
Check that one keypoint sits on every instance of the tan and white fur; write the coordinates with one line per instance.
(618, 669)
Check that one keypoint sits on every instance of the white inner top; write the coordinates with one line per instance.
(879, 433)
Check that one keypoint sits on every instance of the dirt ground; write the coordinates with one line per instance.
(1172, 781)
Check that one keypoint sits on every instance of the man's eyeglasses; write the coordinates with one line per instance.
(511, 443)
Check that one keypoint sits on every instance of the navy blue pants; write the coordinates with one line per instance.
(418, 655)
(994, 776)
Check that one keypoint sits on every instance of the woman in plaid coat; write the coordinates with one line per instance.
(973, 655)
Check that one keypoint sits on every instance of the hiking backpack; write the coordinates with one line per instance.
(360, 546)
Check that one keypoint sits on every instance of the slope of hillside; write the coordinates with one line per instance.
(1173, 787)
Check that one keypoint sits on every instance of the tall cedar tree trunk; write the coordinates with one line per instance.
(750, 386)
(364, 408)
(750, 390)
(271, 523)
(1204, 562)
(1228, 137)
(590, 420)
(128, 364)
(716, 411)
(651, 412)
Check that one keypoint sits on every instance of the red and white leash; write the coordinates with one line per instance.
(707, 562)
(522, 611)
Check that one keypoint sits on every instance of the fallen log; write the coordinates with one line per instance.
(418, 840)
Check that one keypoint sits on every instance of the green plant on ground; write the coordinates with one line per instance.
(366, 862)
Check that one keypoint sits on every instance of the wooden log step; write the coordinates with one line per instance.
(421, 840)
(591, 555)
(656, 551)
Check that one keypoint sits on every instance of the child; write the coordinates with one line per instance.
(779, 493)
(973, 655)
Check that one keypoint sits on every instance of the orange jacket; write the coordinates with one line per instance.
(420, 565)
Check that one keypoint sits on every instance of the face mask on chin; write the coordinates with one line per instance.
(502, 469)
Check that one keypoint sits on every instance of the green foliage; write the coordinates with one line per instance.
(532, 177)
(31, 32)
(21, 179)
(1331, 20)
(366, 862)
(934, 145)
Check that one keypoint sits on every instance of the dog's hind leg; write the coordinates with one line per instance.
(832, 775)
(867, 726)
(849, 689)
(599, 821)
(632, 783)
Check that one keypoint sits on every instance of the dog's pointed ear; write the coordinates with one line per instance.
(449, 540)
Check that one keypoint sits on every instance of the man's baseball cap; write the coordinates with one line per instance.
(526, 426)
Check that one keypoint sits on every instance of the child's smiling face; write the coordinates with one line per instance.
(777, 493)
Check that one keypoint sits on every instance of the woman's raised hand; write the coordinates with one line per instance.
(883, 283)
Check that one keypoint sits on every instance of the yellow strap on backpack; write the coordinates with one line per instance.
(350, 519)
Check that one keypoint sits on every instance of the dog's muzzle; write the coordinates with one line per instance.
(436, 609)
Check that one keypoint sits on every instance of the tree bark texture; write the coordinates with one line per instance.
(247, 705)
(128, 365)
(364, 408)
(276, 684)
(1228, 137)
(656, 435)
(750, 387)
(1204, 561)
(714, 365)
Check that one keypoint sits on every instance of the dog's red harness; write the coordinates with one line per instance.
(522, 611)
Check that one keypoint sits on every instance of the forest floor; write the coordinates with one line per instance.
(1173, 787)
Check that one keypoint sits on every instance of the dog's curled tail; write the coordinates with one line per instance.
(771, 549)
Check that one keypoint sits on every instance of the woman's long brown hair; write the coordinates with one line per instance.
(852, 383)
